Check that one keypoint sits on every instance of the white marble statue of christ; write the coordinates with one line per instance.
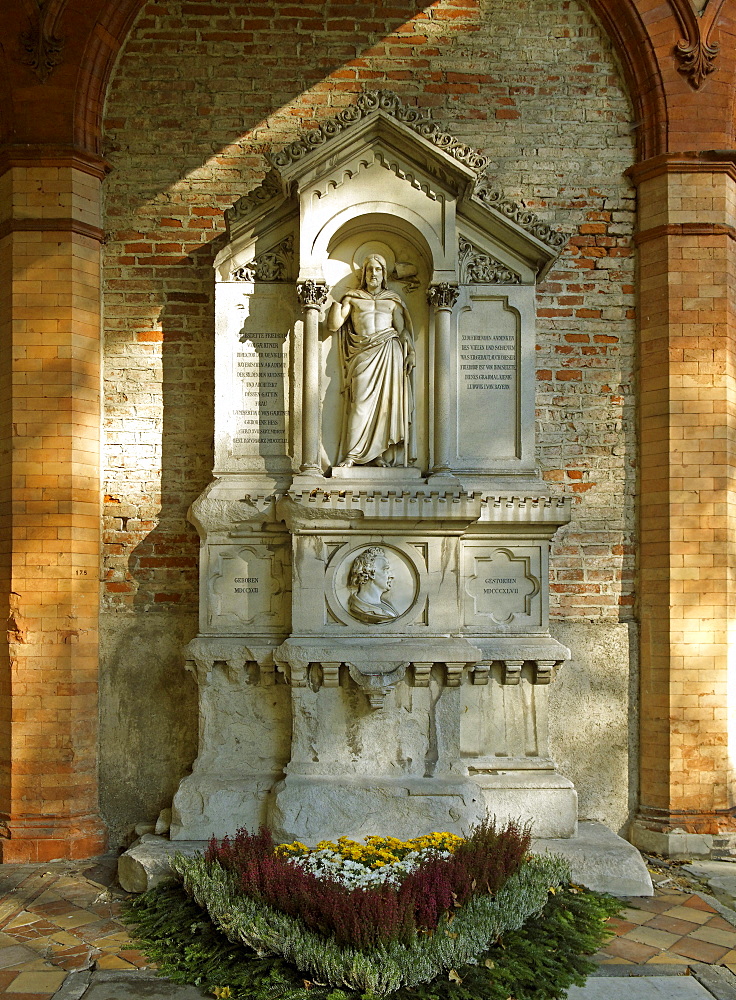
(377, 361)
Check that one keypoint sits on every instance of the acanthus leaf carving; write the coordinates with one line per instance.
(39, 42)
(271, 265)
(268, 189)
(443, 295)
(696, 59)
(479, 268)
(312, 294)
(696, 53)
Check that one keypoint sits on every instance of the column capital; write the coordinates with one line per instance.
(51, 155)
(443, 295)
(709, 161)
(312, 294)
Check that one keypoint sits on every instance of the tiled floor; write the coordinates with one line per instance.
(671, 928)
(57, 918)
(65, 916)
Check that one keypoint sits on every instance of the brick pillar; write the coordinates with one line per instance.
(49, 506)
(687, 553)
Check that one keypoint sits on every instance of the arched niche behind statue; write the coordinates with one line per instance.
(409, 265)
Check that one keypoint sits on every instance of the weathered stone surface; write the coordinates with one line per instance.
(212, 802)
(148, 723)
(313, 809)
(676, 844)
(594, 718)
(163, 823)
(146, 863)
(543, 798)
(601, 860)
(653, 987)
(137, 985)
(719, 874)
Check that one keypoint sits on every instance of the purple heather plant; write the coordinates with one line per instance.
(365, 917)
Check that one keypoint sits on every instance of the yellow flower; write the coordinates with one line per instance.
(221, 992)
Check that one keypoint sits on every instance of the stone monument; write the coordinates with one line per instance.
(374, 651)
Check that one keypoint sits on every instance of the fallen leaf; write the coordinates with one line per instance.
(489, 963)
(453, 976)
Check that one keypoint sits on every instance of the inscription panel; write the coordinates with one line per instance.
(261, 367)
(502, 586)
(488, 381)
(252, 402)
(247, 586)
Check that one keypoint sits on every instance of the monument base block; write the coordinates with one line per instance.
(311, 809)
(543, 798)
(207, 805)
(679, 844)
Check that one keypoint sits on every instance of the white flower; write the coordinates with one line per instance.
(330, 865)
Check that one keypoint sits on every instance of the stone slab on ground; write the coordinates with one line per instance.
(124, 986)
(720, 981)
(601, 860)
(641, 988)
(719, 874)
(146, 863)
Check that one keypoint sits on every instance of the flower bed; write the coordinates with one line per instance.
(438, 904)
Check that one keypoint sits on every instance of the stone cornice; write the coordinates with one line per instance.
(710, 161)
(53, 156)
(370, 102)
(8, 226)
(441, 154)
(684, 229)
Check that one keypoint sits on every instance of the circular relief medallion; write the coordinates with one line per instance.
(375, 584)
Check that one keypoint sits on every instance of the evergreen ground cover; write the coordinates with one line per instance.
(537, 961)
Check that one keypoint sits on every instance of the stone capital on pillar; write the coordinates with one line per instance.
(443, 295)
(312, 294)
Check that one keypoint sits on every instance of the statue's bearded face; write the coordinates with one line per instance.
(374, 273)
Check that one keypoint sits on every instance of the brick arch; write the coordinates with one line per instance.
(638, 57)
(620, 19)
(103, 45)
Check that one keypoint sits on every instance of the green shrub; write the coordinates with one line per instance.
(460, 937)
(368, 917)
(539, 961)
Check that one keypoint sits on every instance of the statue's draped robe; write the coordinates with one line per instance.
(378, 409)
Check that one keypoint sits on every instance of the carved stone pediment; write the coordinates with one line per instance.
(379, 142)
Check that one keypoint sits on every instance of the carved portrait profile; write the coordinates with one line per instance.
(370, 579)
(377, 358)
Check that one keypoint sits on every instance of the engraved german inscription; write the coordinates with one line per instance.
(260, 367)
(488, 361)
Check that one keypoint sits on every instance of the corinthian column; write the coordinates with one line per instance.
(443, 297)
(312, 297)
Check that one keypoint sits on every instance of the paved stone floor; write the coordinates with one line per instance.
(64, 917)
(673, 928)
